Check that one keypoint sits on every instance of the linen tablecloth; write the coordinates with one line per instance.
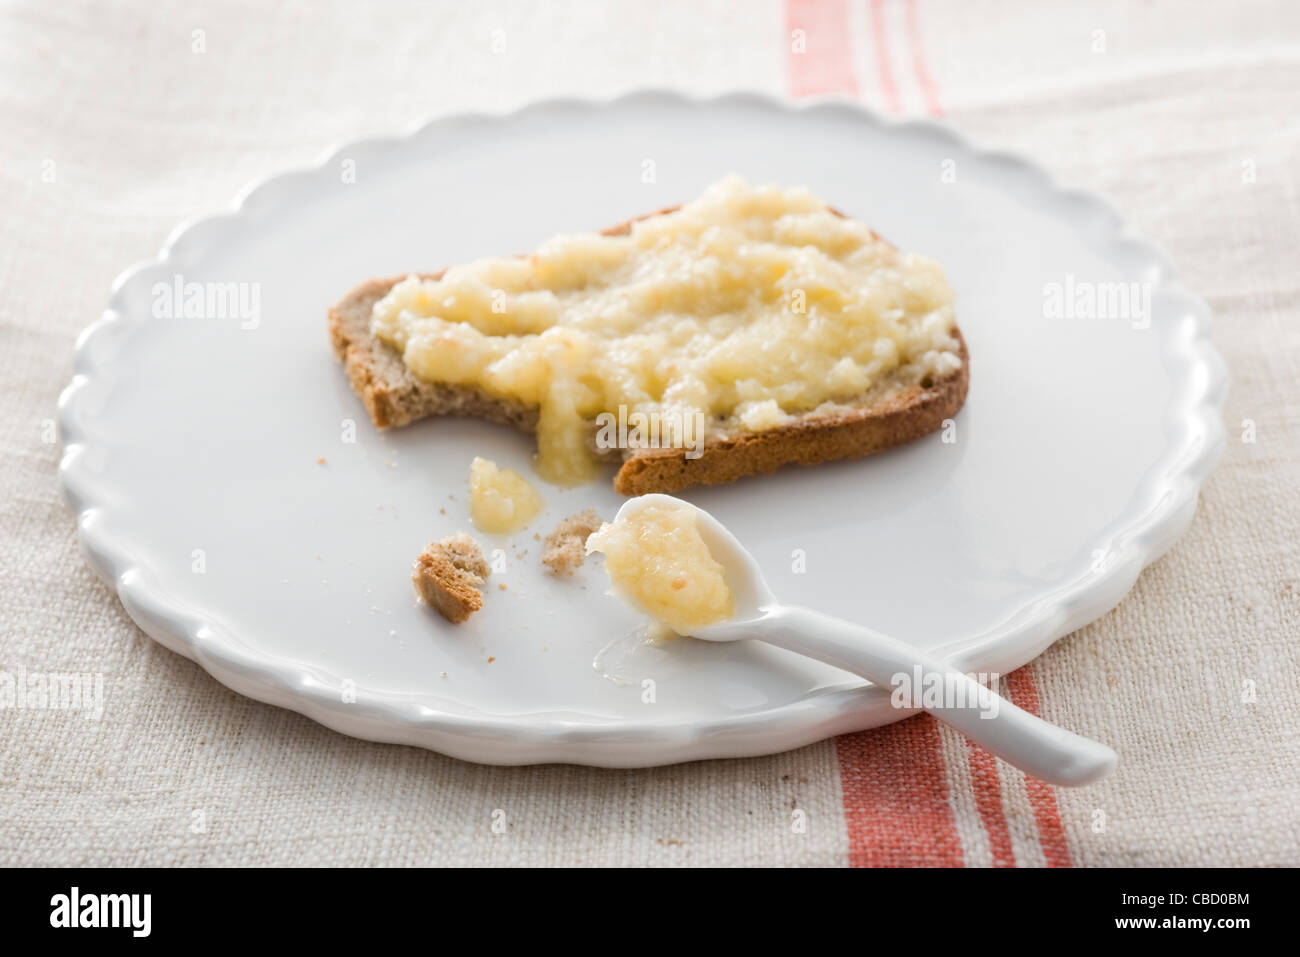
(121, 119)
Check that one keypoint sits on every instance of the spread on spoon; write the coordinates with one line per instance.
(658, 562)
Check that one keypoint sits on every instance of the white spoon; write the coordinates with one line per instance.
(1030, 743)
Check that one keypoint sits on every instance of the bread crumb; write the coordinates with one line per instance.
(449, 575)
(490, 660)
(321, 460)
(566, 546)
(502, 586)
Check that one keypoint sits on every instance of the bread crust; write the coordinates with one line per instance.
(891, 414)
(392, 393)
(449, 576)
(896, 416)
(566, 546)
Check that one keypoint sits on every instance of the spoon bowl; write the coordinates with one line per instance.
(750, 596)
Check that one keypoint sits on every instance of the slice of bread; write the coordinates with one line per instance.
(894, 411)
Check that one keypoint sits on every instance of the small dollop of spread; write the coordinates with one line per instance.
(500, 500)
(658, 562)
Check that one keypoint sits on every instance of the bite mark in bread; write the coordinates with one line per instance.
(895, 411)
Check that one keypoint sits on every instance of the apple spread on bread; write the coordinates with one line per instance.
(747, 329)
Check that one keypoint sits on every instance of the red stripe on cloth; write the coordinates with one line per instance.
(820, 57)
(1023, 692)
(884, 64)
(987, 786)
(896, 797)
(895, 784)
(929, 90)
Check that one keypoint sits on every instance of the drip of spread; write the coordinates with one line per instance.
(737, 311)
(657, 561)
(500, 500)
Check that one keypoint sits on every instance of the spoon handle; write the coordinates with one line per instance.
(921, 680)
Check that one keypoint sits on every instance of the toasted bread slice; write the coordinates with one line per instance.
(894, 411)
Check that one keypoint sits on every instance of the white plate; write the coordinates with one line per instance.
(192, 444)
